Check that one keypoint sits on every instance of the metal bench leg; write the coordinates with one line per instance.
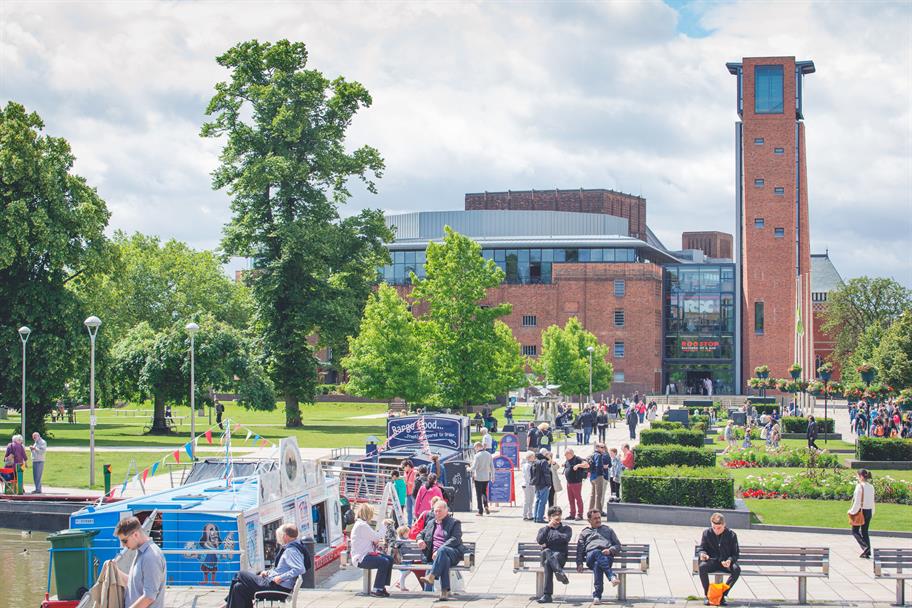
(802, 590)
(622, 588)
(900, 592)
(539, 584)
(366, 581)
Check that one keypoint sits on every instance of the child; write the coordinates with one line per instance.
(747, 435)
(402, 534)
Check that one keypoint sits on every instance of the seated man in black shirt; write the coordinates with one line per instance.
(719, 552)
(554, 539)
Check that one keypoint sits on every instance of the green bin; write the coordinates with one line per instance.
(72, 562)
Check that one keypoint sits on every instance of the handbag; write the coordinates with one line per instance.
(858, 518)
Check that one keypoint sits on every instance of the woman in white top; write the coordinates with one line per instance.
(364, 545)
(863, 500)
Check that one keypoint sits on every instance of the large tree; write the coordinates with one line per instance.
(859, 304)
(565, 359)
(385, 358)
(892, 355)
(287, 170)
(462, 342)
(51, 230)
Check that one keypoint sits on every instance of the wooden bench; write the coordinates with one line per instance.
(633, 559)
(413, 559)
(896, 564)
(799, 562)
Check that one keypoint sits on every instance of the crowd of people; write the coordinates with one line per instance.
(16, 456)
(883, 420)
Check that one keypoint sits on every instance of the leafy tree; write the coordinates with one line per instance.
(157, 364)
(51, 231)
(463, 344)
(893, 354)
(385, 358)
(565, 359)
(286, 168)
(509, 365)
(863, 352)
(859, 304)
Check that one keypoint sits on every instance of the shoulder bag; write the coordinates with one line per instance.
(857, 518)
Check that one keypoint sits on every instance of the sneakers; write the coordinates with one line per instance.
(562, 577)
(379, 593)
(545, 599)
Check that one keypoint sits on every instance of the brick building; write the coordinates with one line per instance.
(712, 243)
(825, 279)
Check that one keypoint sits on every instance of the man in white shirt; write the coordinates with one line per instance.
(38, 450)
(487, 442)
(482, 470)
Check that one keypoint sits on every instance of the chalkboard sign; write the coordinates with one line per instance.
(509, 447)
(500, 490)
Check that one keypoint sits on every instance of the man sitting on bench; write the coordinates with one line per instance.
(554, 540)
(597, 545)
(718, 552)
(441, 542)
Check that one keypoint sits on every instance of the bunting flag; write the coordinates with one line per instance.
(154, 468)
(189, 448)
(208, 435)
(123, 488)
(177, 456)
(265, 442)
(237, 427)
(249, 433)
(256, 439)
(145, 474)
(111, 493)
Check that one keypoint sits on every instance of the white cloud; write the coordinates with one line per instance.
(483, 96)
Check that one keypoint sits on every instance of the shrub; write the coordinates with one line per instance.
(682, 486)
(823, 485)
(665, 425)
(765, 408)
(675, 436)
(783, 458)
(883, 448)
(739, 433)
(797, 424)
(662, 455)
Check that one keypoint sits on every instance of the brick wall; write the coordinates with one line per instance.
(713, 244)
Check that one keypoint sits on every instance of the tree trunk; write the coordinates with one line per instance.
(35, 419)
(159, 427)
(292, 412)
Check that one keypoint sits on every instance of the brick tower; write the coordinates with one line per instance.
(772, 247)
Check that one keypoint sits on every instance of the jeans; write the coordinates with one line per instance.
(575, 495)
(384, 566)
(640, 415)
(37, 472)
(245, 585)
(553, 561)
(633, 430)
(615, 487)
(861, 532)
(597, 498)
(600, 564)
(713, 565)
(481, 491)
(410, 509)
(541, 499)
(447, 557)
(587, 434)
(601, 432)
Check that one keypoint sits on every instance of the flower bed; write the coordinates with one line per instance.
(782, 458)
(682, 486)
(829, 484)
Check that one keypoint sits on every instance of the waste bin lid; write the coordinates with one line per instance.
(72, 534)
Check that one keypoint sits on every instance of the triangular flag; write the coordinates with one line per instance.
(145, 474)
(123, 488)
(154, 468)
(237, 427)
(177, 456)
(265, 442)
(208, 435)
(256, 439)
(189, 449)
(249, 433)
(111, 493)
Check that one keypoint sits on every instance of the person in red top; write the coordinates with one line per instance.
(627, 456)
(408, 474)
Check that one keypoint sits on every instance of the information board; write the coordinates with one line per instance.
(500, 490)
(509, 447)
(443, 431)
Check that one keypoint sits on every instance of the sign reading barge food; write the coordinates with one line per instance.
(441, 430)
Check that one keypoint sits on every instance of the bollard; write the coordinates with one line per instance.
(19, 480)
(107, 479)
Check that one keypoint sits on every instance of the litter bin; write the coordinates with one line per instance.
(457, 476)
(72, 562)
(522, 431)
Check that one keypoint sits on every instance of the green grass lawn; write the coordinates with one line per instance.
(827, 514)
(71, 469)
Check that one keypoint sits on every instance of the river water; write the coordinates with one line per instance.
(23, 568)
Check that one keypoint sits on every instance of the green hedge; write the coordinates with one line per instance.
(689, 437)
(883, 448)
(783, 458)
(681, 486)
(662, 455)
(665, 425)
(797, 424)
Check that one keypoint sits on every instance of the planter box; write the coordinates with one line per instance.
(671, 515)
(892, 465)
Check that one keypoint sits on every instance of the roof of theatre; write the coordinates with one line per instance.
(824, 276)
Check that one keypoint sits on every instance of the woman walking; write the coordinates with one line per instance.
(863, 504)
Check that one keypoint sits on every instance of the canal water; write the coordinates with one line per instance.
(23, 567)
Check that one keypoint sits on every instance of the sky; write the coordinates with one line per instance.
(471, 96)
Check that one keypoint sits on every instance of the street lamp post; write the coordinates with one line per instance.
(825, 375)
(92, 324)
(590, 349)
(24, 333)
(192, 328)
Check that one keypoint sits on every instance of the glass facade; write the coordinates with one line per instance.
(768, 89)
(522, 266)
(699, 327)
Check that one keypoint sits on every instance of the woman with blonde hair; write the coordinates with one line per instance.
(365, 544)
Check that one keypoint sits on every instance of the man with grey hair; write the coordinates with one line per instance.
(38, 450)
(290, 562)
(482, 471)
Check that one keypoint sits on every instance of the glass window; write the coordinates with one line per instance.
(500, 255)
(583, 255)
(530, 350)
(410, 257)
(535, 255)
(619, 287)
(758, 141)
(758, 318)
(758, 222)
(779, 233)
(619, 350)
(779, 151)
(547, 255)
(768, 89)
(398, 257)
(608, 255)
(619, 317)
(523, 256)
(728, 279)
(779, 191)
(546, 272)
(618, 376)
(571, 255)
(758, 183)
(512, 266)
(420, 257)
(595, 255)
(535, 272)
(560, 255)
(398, 273)
(487, 254)
(709, 279)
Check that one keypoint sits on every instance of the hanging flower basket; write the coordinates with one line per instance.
(795, 371)
(762, 371)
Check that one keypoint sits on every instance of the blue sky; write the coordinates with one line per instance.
(474, 96)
